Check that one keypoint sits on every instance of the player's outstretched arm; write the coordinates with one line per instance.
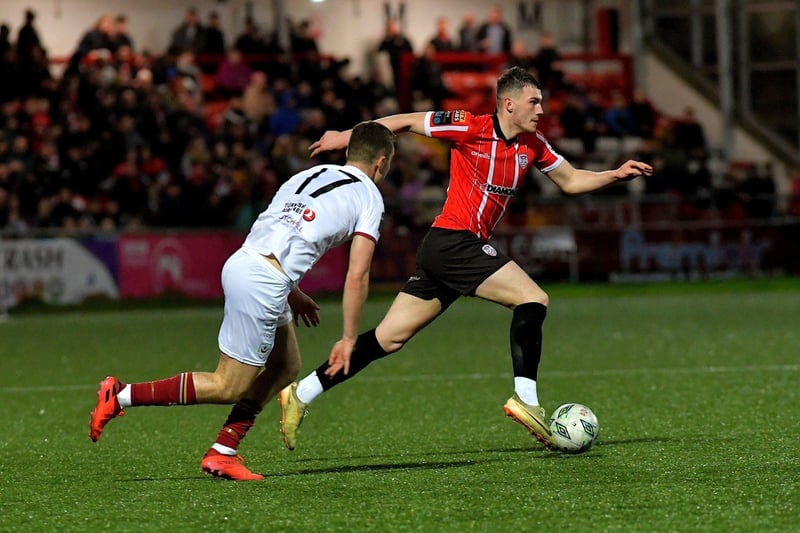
(330, 140)
(573, 180)
(356, 288)
(338, 140)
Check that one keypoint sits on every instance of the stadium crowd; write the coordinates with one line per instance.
(203, 134)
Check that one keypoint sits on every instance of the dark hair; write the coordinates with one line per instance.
(368, 141)
(515, 79)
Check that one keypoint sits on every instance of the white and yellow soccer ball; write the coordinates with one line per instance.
(574, 427)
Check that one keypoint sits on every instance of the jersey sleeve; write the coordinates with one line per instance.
(369, 223)
(447, 125)
(546, 157)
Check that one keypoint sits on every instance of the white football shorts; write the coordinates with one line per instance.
(256, 305)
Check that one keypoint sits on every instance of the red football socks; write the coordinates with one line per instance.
(242, 417)
(177, 390)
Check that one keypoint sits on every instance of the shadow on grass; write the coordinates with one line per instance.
(424, 465)
(374, 467)
(426, 454)
(343, 469)
(625, 442)
(381, 467)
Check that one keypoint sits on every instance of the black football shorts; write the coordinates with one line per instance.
(452, 263)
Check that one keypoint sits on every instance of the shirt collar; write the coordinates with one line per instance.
(499, 131)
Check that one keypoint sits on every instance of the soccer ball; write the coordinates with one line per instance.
(574, 427)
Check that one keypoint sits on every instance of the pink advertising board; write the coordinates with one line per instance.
(190, 264)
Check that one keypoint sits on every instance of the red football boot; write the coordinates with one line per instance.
(107, 406)
(227, 467)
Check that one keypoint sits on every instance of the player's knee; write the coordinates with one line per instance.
(392, 346)
(537, 296)
(544, 299)
(229, 391)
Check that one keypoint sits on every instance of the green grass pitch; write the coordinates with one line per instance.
(695, 387)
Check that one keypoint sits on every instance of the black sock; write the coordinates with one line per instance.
(526, 339)
(366, 350)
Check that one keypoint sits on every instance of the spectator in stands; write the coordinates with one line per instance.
(127, 187)
(250, 41)
(59, 210)
(395, 43)
(153, 167)
(186, 68)
(595, 124)
(582, 118)
(258, 102)
(726, 196)
(442, 41)
(616, 116)
(427, 80)
(642, 115)
(305, 52)
(214, 36)
(757, 191)
(494, 35)
(688, 133)
(233, 74)
(286, 118)
(333, 111)
(34, 78)
(96, 43)
(8, 66)
(121, 37)
(519, 57)
(302, 40)
(468, 34)
(546, 63)
(691, 182)
(189, 36)
(27, 37)
(5, 41)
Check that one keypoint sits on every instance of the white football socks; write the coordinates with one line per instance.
(526, 390)
(124, 397)
(224, 450)
(309, 388)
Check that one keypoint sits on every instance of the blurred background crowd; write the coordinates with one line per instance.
(201, 134)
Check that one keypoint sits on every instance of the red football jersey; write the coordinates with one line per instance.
(486, 169)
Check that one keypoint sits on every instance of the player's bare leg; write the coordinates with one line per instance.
(512, 287)
(283, 365)
(407, 315)
(226, 384)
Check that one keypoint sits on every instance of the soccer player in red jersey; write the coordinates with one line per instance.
(490, 157)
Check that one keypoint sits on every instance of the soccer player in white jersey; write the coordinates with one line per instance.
(312, 212)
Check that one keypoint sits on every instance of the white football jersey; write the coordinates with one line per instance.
(316, 210)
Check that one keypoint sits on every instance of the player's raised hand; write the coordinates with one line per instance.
(633, 169)
(340, 357)
(330, 140)
(303, 306)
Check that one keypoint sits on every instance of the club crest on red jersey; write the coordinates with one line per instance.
(523, 161)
